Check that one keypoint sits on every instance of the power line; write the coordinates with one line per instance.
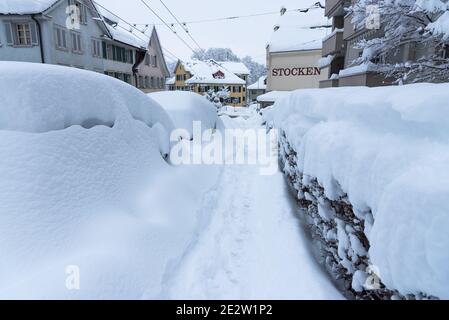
(132, 26)
(166, 24)
(316, 5)
(183, 26)
(174, 57)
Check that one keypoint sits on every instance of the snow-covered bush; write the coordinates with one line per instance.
(421, 24)
(185, 107)
(218, 98)
(372, 175)
(89, 209)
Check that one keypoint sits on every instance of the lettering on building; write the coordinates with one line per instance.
(295, 72)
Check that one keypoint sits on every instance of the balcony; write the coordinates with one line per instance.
(333, 44)
(330, 83)
(335, 8)
(350, 29)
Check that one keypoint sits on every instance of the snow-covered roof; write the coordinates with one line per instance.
(170, 81)
(293, 31)
(235, 67)
(203, 73)
(259, 85)
(25, 6)
(106, 14)
(272, 96)
(126, 37)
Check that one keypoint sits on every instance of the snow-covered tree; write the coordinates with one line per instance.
(422, 25)
(219, 97)
(256, 69)
(217, 54)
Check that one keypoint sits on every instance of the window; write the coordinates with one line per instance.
(112, 52)
(147, 82)
(61, 38)
(147, 59)
(162, 83)
(23, 34)
(96, 48)
(76, 42)
(129, 56)
(155, 61)
(158, 83)
(141, 84)
(109, 52)
(82, 12)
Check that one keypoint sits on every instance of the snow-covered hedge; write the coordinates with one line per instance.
(371, 169)
(84, 189)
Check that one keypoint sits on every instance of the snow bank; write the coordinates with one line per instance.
(186, 107)
(387, 151)
(100, 203)
(38, 103)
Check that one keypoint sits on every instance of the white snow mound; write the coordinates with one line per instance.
(185, 107)
(88, 213)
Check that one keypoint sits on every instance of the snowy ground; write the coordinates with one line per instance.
(91, 209)
(253, 247)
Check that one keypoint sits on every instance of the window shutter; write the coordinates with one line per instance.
(9, 34)
(64, 39)
(84, 13)
(73, 42)
(34, 35)
(80, 46)
(58, 37)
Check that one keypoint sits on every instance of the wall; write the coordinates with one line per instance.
(308, 76)
(153, 72)
(8, 53)
(55, 56)
(180, 71)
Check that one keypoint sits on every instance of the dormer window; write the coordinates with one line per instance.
(218, 75)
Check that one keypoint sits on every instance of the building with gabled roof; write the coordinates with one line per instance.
(202, 76)
(294, 50)
(73, 33)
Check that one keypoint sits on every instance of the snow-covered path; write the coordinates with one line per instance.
(253, 247)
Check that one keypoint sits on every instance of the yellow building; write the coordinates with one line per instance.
(202, 76)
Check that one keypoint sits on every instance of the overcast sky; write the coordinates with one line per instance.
(246, 36)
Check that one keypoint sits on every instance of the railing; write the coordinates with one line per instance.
(333, 44)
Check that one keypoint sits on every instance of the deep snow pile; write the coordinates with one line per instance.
(83, 184)
(373, 166)
(184, 108)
